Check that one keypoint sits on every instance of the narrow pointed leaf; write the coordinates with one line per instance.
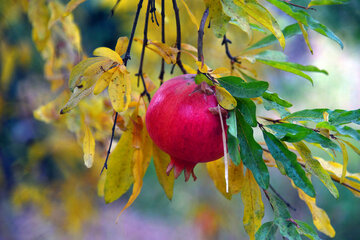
(108, 53)
(345, 160)
(307, 230)
(266, 231)
(248, 109)
(314, 115)
(274, 97)
(251, 152)
(288, 32)
(88, 147)
(326, 2)
(242, 89)
(288, 160)
(253, 205)
(161, 162)
(315, 168)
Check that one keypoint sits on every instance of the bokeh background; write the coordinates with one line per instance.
(46, 192)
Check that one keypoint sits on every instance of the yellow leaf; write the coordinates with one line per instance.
(120, 164)
(336, 171)
(142, 159)
(78, 70)
(76, 96)
(56, 11)
(202, 67)
(39, 16)
(93, 72)
(72, 31)
(345, 160)
(121, 45)
(253, 205)
(355, 149)
(320, 218)
(101, 184)
(306, 37)
(188, 47)
(103, 81)
(224, 98)
(166, 52)
(220, 70)
(108, 53)
(216, 170)
(262, 16)
(191, 15)
(119, 91)
(88, 147)
(8, 57)
(189, 69)
(161, 162)
(72, 5)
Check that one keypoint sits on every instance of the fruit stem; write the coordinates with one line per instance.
(225, 151)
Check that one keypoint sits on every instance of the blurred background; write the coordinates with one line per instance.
(46, 192)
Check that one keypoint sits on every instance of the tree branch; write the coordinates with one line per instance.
(178, 38)
(162, 70)
(201, 35)
(286, 202)
(233, 59)
(140, 74)
(126, 58)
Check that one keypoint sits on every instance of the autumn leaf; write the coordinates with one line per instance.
(216, 170)
(320, 218)
(161, 162)
(88, 147)
(119, 91)
(224, 98)
(253, 205)
(120, 168)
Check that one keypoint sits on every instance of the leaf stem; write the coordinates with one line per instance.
(178, 38)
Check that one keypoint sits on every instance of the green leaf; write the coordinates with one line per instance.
(289, 161)
(338, 117)
(219, 20)
(294, 133)
(288, 32)
(258, 28)
(251, 152)
(269, 105)
(263, 17)
(322, 29)
(299, 15)
(199, 78)
(326, 125)
(237, 14)
(271, 55)
(326, 2)
(274, 97)
(314, 115)
(243, 89)
(294, 68)
(315, 168)
(266, 231)
(307, 230)
(346, 130)
(248, 109)
(232, 141)
(282, 218)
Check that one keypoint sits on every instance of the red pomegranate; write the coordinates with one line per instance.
(179, 121)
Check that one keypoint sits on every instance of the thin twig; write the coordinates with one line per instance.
(153, 12)
(299, 6)
(178, 37)
(268, 198)
(127, 54)
(126, 58)
(145, 40)
(162, 70)
(233, 59)
(201, 35)
(286, 202)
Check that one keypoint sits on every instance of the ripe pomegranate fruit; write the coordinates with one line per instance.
(181, 119)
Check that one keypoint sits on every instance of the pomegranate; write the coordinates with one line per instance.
(181, 119)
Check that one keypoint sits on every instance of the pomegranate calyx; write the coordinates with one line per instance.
(180, 166)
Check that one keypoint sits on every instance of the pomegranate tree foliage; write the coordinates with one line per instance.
(127, 91)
